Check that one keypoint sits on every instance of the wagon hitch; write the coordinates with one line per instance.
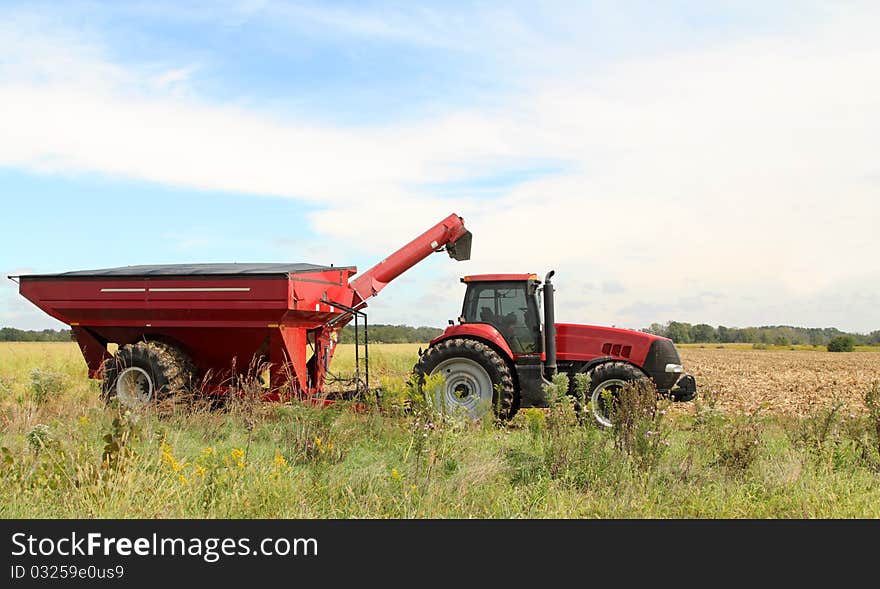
(362, 386)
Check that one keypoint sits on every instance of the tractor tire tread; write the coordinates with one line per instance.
(608, 370)
(504, 391)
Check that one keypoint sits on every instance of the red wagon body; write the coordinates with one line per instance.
(224, 316)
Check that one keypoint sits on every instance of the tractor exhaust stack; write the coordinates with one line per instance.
(549, 328)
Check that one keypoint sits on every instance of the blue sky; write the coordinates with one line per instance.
(675, 160)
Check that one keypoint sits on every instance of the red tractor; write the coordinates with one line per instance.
(501, 353)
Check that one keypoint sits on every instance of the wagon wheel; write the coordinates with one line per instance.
(148, 374)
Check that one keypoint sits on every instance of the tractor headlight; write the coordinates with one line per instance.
(676, 368)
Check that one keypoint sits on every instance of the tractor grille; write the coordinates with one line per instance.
(662, 352)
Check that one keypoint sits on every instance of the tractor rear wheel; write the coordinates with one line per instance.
(477, 379)
(610, 377)
(147, 373)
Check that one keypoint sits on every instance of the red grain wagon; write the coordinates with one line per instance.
(181, 324)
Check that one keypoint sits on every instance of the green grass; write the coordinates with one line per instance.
(67, 455)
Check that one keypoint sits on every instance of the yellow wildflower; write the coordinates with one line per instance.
(169, 460)
(237, 455)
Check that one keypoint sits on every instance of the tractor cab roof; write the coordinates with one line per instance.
(499, 277)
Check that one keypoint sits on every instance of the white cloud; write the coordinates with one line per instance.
(747, 169)
(172, 78)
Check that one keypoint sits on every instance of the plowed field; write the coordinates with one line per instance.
(789, 382)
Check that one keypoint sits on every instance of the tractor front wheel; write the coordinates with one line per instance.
(147, 373)
(609, 379)
(476, 379)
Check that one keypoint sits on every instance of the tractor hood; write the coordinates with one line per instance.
(588, 342)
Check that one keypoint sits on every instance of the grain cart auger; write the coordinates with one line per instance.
(177, 325)
(502, 353)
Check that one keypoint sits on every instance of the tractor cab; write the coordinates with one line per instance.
(509, 303)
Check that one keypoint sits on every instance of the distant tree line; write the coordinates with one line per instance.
(10, 334)
(391, 334)
(777, 335)
(680, 332)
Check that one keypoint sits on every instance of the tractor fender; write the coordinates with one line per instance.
(479, 331)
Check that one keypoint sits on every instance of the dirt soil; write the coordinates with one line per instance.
(788, 382)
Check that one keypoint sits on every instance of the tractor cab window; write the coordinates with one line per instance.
(509, 308)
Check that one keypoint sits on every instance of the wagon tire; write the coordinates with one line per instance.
(477, 378)
(148, 374)
(610, 376)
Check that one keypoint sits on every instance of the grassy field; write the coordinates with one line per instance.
(767, 437)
